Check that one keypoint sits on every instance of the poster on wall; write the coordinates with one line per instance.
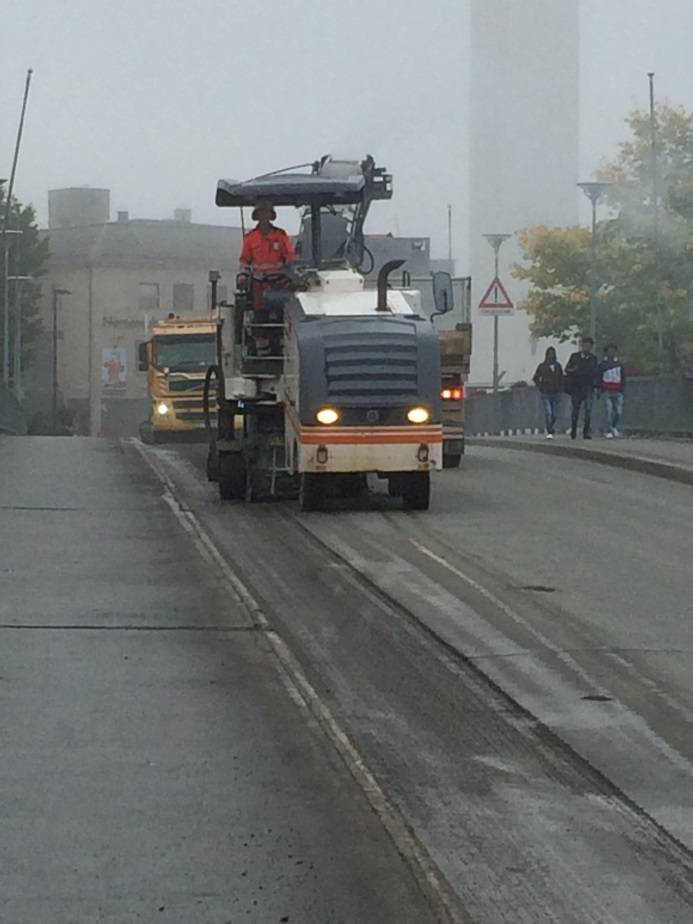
(114, 367)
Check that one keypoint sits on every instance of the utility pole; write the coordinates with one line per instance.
(593, 191)
(655, 209)
(57, 294)
(17, 350)
(3, 239)
(7, 236)
(496, 241)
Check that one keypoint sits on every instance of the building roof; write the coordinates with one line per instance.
(144, 241)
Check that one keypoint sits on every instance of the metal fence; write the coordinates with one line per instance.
(12, 416)
(658, 405)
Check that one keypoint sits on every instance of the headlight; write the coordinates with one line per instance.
(418, 415)
(327, 415)
(162, 408)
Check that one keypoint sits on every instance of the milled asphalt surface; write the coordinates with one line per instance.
(153, 766)
(566, 801)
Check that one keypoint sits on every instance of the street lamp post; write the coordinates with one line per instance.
(7, 235)
(57, 294)
(593, 191)
(496, 241)
(17, 352)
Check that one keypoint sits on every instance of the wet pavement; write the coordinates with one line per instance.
(511, 668)
(154, 766)
(496, 662)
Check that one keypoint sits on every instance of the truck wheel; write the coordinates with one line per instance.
(212, 463)
(231, 476)
(311, 493)
(452, 459)
(416, 491)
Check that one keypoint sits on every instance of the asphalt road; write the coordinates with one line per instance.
(501, 694)
(154, 766)
(513, 665)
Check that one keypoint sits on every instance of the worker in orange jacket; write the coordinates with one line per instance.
(266, 251)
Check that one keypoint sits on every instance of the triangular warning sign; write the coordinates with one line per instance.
(496, 297)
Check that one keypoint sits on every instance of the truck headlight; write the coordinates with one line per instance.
(418, 415)
(327, 415)
(162, 408)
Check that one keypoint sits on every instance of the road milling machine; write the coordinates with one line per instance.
(350, 384)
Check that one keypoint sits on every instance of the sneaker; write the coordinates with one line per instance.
(587, 436)
(549, 436)
(610, 436)
(573, 435)
(616, 433)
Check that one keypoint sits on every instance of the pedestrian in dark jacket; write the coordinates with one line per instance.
(611, 382)
(580, 380)
(549, 380)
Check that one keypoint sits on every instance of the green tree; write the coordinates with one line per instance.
(27, 257)
(639, 282)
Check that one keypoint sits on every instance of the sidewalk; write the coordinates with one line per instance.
(153, 765)
(671, 459)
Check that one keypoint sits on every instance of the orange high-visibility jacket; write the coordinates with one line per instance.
(266, 253)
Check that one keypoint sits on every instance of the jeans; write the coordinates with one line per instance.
(583, 395)
(551, 405)
(614, 409)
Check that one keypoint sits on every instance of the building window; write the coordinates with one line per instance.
(148, 299)
(222, 294)
(183, 297)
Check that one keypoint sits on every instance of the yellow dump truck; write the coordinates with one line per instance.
(176, 359)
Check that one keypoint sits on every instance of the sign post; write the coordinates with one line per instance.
(496, 300)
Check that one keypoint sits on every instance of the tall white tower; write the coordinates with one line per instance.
(524, 118)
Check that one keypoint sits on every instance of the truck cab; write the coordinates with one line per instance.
(176, 359)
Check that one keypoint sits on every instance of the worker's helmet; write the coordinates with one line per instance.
(263, 207)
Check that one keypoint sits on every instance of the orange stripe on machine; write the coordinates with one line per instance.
(371, 437)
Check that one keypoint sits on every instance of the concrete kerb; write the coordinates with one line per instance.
(660, 469)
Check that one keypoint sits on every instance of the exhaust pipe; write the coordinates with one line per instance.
(382, 282)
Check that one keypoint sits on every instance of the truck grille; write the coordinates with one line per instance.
(189, 409)
(188, 385)
(364, 368)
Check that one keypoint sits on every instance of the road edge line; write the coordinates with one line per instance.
(429, 878)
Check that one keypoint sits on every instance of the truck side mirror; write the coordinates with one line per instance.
(142, 357)
(443, 297)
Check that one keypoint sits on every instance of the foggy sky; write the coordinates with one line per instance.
(157, 99)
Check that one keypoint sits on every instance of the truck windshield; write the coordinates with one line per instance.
(184, 352)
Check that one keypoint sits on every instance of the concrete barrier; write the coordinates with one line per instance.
(12, 416)
(654, 406)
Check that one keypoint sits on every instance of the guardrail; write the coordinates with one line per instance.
(12, 416)
(657, 405)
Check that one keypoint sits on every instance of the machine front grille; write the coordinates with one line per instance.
(365, 367)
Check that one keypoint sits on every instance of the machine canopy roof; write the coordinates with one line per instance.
(297, 189)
